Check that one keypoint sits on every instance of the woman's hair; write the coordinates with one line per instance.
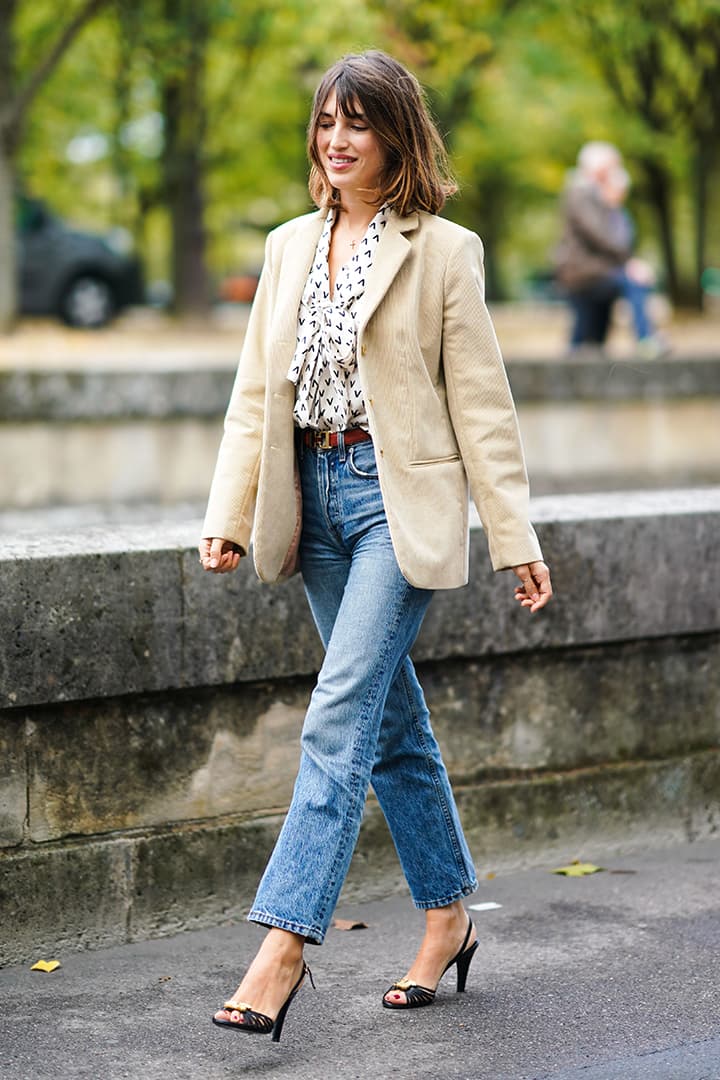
(416, 174)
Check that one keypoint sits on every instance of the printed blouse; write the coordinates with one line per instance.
(328, 395)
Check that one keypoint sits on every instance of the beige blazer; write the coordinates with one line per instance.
(437, 397)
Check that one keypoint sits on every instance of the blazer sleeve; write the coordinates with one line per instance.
(233, 492)
(483, 412)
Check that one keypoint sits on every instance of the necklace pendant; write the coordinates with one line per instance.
(353, 244)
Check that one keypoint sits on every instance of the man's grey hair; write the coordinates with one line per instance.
(597, 155)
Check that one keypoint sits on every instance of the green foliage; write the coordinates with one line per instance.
(516, 87)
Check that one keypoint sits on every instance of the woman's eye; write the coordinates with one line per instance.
(359, 127)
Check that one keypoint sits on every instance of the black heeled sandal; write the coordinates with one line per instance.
(257, 1023)
(417, 996)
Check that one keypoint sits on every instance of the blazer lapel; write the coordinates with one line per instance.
(391, 252)
(296, 260)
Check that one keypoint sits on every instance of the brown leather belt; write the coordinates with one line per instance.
(327, 440)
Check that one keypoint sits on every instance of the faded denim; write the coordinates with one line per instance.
(367, 721)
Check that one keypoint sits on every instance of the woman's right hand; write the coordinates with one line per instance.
(219, 556)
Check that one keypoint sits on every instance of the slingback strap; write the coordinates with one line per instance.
(463, 947)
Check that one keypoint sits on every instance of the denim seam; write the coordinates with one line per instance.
(447, 816)
(444, 901)
(266, 918)
(356, 775)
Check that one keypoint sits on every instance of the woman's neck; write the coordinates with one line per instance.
(356, 213)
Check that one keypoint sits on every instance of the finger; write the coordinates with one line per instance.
(229, 562)
(226, 563)
(216, 552)
(545, 594)
(530, 587)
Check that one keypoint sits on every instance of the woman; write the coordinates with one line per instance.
(370, 390)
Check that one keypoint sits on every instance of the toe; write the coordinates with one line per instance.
(396, 997)
(230, 1016)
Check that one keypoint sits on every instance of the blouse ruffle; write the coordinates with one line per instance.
(328, 395)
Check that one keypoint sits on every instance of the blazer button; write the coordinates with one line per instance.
(363, 349)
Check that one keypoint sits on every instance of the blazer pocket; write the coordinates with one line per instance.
(434, 461)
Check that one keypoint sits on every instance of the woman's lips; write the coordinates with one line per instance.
(340, 163)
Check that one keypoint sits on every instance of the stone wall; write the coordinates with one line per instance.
(153, 435)
(149, 714)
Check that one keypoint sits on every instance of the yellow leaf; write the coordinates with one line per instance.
(45, 965)
(349, 924)
(577, 869)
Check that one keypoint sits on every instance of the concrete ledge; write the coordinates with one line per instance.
(128, 610)
(27, 395)
(129, 435)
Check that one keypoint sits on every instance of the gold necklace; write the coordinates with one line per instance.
(354, 243)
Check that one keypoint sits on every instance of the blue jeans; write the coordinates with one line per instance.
(367, 721)
(591, 308)
(636, 296)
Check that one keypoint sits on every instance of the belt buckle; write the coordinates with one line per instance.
(322, 440)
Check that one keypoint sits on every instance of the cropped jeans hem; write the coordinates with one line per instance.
(312, 934)
(445, 901)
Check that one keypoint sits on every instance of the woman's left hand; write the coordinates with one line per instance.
(536, 588)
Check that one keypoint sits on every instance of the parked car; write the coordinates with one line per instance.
(82, 277)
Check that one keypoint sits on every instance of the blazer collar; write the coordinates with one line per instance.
(392, 250)
(295, 270)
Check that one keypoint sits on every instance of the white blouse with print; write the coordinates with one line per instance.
(328, 395)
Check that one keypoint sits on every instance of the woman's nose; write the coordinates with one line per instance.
(339, 139)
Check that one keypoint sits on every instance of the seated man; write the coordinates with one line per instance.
(593, 260)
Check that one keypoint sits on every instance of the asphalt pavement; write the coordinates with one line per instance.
(612, 976)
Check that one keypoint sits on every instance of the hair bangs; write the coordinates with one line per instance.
(377, 89)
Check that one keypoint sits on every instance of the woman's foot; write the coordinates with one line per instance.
(270, 978)
(445, 930)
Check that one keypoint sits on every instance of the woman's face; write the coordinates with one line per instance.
(349, 150)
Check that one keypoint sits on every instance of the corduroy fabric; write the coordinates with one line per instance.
(439, 406)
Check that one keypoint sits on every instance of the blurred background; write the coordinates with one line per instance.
(147, 148)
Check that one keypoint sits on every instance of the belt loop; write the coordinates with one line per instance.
(341, 446)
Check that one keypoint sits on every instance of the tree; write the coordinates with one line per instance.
(661, 62)
(18, 92)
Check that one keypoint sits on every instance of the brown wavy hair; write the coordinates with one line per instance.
(416, 174)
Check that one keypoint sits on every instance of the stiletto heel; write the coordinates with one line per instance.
(417, 996)
(257, 1023)
(463, 966)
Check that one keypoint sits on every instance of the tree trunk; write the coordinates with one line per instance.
(8, 258)
(16, 99)
(184, 115)
(659, 187)
(702, 168)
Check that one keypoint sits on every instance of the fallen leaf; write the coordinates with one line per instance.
(577, 869)
(349, 924)
(487, 905)
(46, 965)
(490, 875)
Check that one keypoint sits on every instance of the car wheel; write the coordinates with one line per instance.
(87, 302)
